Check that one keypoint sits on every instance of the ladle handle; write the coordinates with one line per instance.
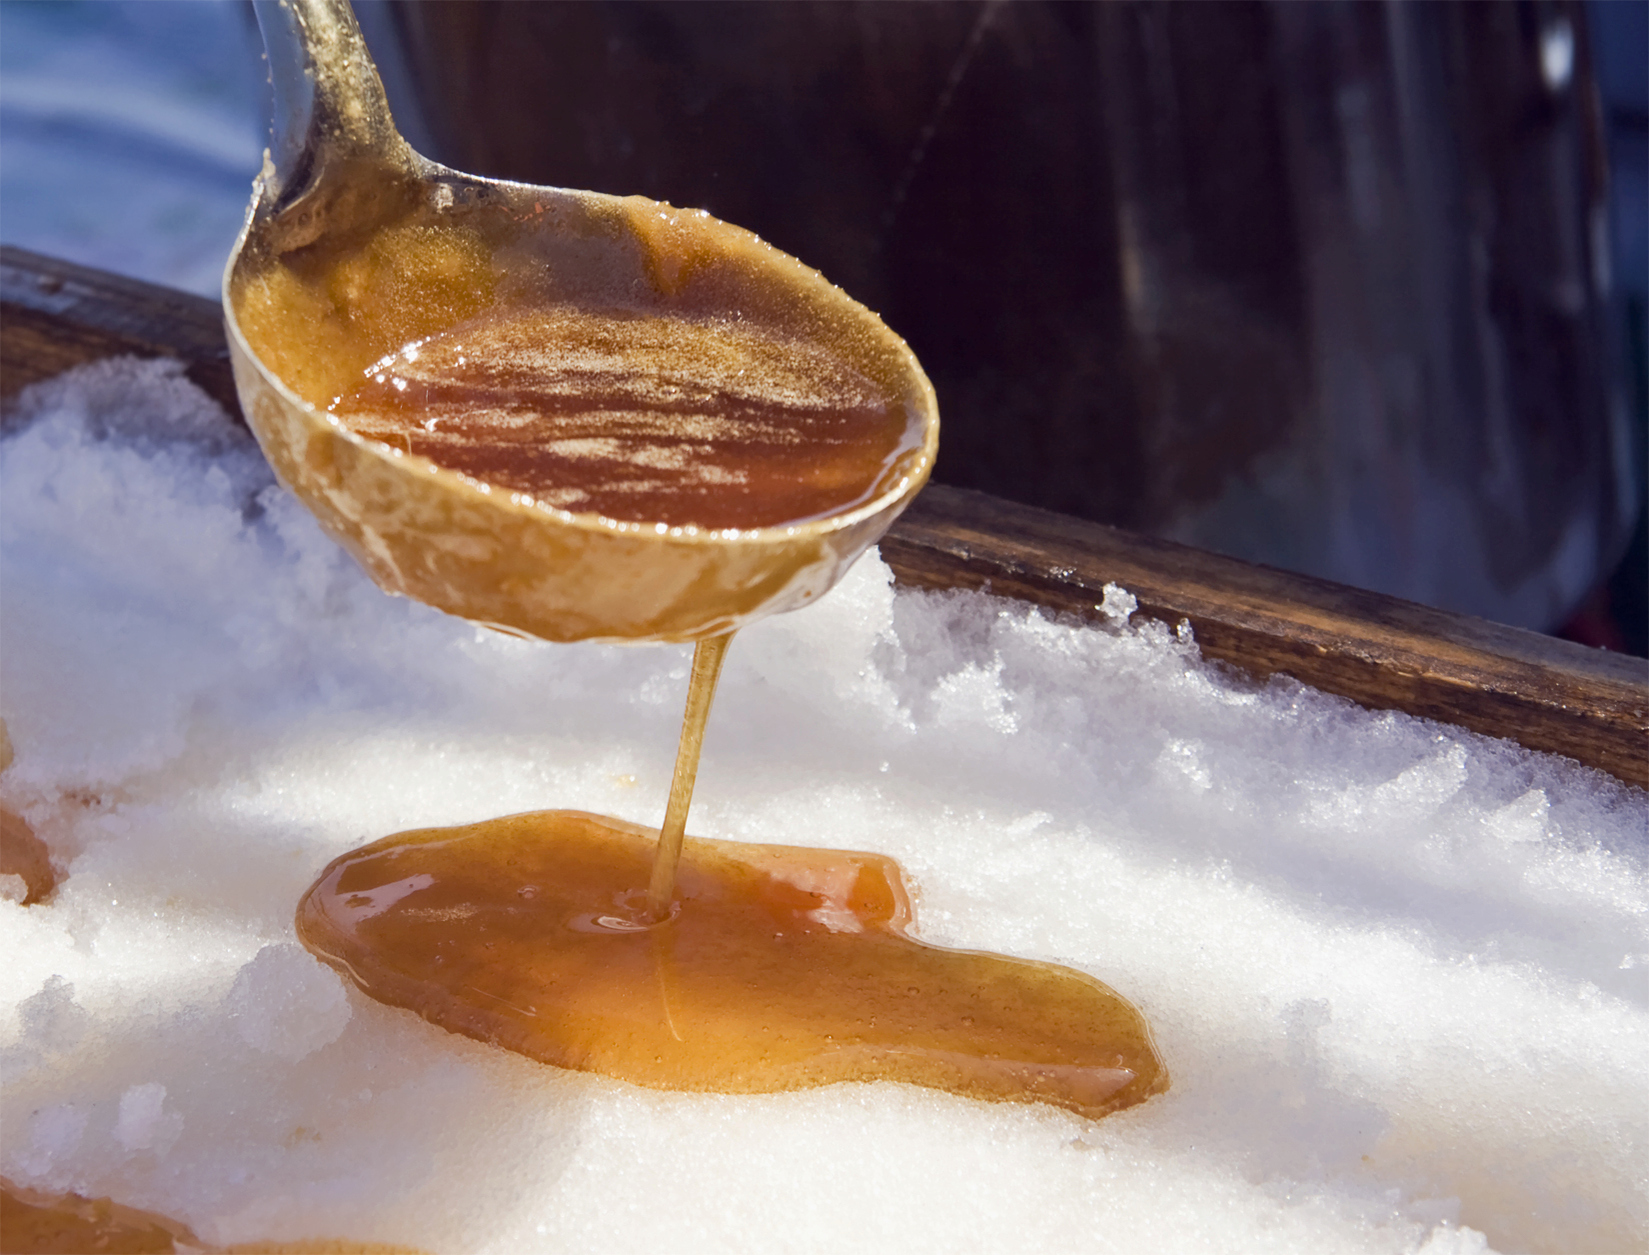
(331, 117)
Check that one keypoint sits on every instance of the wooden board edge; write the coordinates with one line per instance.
(55, 314)
(1547, 694)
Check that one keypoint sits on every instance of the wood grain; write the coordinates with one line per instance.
(1545, 693)
(1542, 692)
(54, 315)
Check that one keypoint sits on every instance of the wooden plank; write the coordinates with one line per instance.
(1545, 693)
(1542, 692)
(54, 315)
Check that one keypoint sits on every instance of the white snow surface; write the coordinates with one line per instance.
(1399, 972)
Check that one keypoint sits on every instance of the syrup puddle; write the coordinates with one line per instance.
(777, 968)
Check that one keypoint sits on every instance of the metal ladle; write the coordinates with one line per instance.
(355, 246)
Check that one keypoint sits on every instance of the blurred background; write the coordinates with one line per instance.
(1355, 289)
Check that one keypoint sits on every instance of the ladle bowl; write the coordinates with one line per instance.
(356, 246)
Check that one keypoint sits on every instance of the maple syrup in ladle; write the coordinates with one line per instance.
(584, 417)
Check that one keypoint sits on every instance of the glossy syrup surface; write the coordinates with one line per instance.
(640, 416)
(778, 968)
